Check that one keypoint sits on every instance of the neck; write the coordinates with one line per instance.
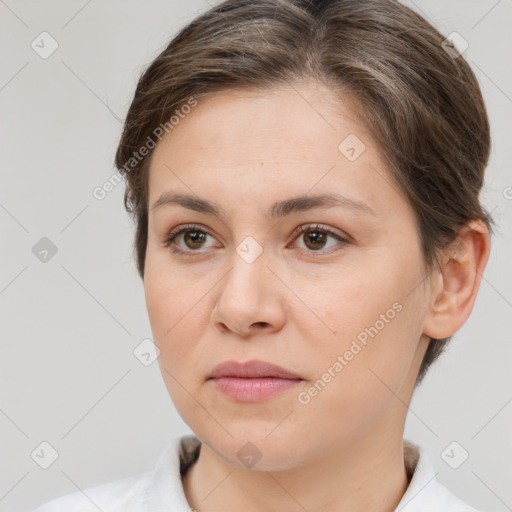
(368, 475)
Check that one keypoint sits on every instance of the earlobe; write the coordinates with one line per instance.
(455, 286)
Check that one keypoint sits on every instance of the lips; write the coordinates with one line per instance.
(253, 381)
(253, 369)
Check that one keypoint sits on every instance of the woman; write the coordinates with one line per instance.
(304, 177)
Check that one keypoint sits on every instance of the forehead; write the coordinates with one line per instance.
(291, 137)
(278, 121)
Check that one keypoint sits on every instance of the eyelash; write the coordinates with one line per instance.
(170, 237)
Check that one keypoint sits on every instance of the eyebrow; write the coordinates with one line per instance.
(278, 210)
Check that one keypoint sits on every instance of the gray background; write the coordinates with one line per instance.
(69, 326)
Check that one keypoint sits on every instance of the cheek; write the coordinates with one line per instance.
(172, 306)
(179, 309)
(167, 290)
(354, 300)
(377, 323)
(176, 314)
(356, 381)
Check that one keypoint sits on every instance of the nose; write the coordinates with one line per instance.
(250, 299)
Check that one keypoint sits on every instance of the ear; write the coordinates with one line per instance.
(455, 286)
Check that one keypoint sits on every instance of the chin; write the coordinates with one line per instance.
(258, 446)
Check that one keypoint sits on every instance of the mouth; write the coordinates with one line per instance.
(252, 381)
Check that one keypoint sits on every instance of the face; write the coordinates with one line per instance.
(339, 304)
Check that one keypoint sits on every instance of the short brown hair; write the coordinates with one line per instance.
(421, 103)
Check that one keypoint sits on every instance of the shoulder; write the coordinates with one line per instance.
(143, 492)
(425, 493)
(103, 497)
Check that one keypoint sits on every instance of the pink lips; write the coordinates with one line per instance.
(252, 381)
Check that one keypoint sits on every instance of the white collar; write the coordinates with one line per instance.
(161, 490)
(424, 493)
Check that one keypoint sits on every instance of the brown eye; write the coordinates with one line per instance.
(316, 238)
(192, 238)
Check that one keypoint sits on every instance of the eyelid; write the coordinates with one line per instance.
(303, 228)
(185, 227)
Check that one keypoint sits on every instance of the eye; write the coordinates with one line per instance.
(316, 237)
(193, 236)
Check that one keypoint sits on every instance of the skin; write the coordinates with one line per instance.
(294, 306)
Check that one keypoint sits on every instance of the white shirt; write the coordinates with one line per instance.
(161, 489)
